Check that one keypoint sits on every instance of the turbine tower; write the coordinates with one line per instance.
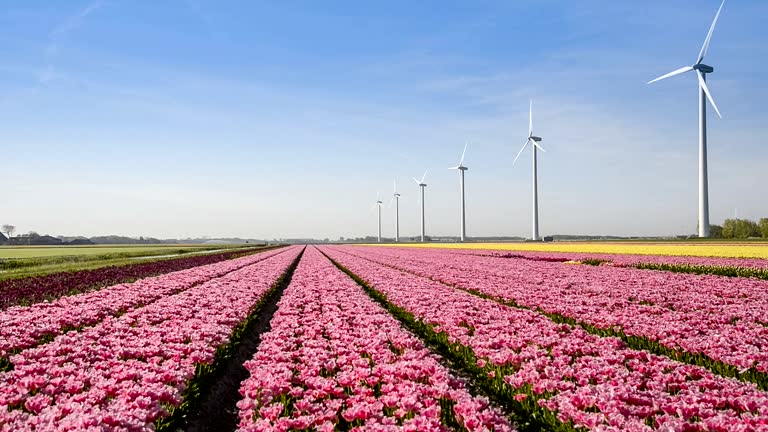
(703, 94)
(534, 141)
(461, 168)
(396, 199)
(378, 210)
(422, 185)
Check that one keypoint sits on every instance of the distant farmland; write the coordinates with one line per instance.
(18, 261)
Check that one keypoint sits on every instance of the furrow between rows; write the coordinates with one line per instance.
(132, 372)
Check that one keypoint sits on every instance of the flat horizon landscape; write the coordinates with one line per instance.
(497, 216)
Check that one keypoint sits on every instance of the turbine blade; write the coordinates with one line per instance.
(455, 168)
(424, 176)
(395, 183)
(673, 73)
(705, 47)
(521, 151)
(461, 161)
(391, 201)
(537, 145)
(416, 180)
(530, 119)
(703, 85)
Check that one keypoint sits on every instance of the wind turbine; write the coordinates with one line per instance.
(534, 141)
(701, 73)
(461, 168)
(378, 208)
(422, 185)
(396, 199)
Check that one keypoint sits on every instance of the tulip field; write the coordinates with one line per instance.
(364, 338)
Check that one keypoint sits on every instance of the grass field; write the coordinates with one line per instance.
(709, 249)
(16, 252)
(21, 261)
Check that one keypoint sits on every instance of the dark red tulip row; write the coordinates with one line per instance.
(38, 288)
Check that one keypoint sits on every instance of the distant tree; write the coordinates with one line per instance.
(716, 231)
(740, 228)
(763, 225)
(9, 230)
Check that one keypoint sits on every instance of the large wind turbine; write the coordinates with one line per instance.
(396, 199)
(422, 185)
(534, 141)
(701, 73)
(461, 168)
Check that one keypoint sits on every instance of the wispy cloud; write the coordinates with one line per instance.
(58, 33)
(73, 22)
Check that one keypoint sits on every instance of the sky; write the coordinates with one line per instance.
(284, 119)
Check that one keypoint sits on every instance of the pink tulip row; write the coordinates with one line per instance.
(334, 357)
(593, 382)
(22, 327)
(125, 373)
(620, 259)
(723, 318)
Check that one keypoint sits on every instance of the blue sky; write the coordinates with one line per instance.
(284, 119)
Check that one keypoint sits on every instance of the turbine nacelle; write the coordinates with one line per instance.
(421, 182)
(700, 68)
(532, 139)
(461, 166)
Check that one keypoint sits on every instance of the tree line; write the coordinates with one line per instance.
(740, 229)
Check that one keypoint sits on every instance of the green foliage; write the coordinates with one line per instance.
(593, 261)
(763, 226)
(715, 231)
(740, 229)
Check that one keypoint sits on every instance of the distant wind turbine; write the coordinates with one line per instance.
(461, 168)
(378, 210)
(701, 73)
(534, 141)
(422, 185)
(396, 199)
